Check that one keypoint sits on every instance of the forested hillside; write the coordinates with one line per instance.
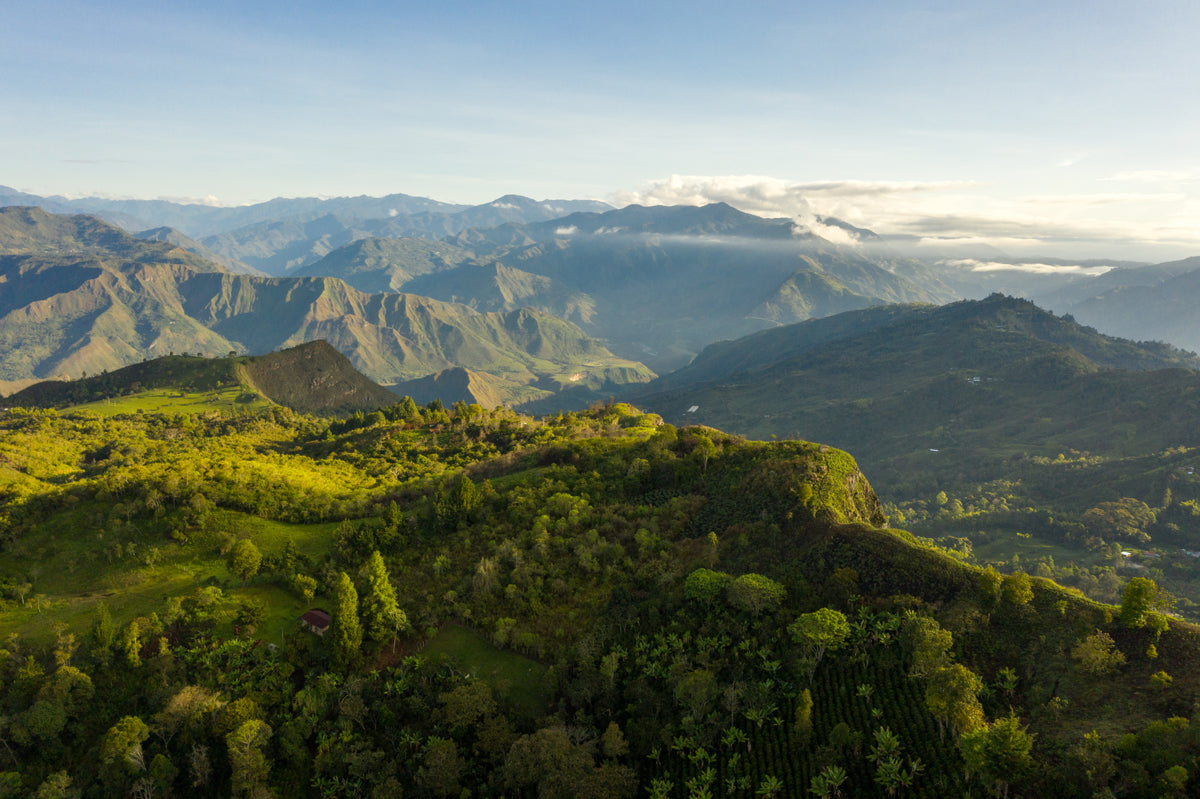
(594, 604)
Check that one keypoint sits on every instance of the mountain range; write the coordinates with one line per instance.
(80, 296)
(654, 285)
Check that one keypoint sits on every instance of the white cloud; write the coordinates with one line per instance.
(210, 200)
(1040, 269)
(1134, 225)
(804, 203)
(566, 231)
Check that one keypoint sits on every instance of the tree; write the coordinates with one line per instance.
(705, 585)
(244, 559)
(828, 782)
(1141, 596)
(187, 709)
(999, 754)
(823, 630)
(928, 644)
(703, 450)
(613, 743)
(121, 752)
(1124, 519)
(1098, 654)
(250, 766)
(56, 786)
(952, 696)
(466, 705)
(1174, 780)
(804, 721)
(1016, 588)
(104, 632)
(380, 614)
(549, 760)
(457, 505)
(442, 768)
(345, 631)
(990, 582)
(755, 593)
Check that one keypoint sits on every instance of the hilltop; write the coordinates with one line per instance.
(987, 376)
(312, 378)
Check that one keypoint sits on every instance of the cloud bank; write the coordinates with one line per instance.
(960, 213)
(1039, 269)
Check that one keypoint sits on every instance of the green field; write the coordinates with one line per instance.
(513, 677)
(74, 573)
(225, 400)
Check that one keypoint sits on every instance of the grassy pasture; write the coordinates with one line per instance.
(225, 400)
(514, 677)
(75, 572)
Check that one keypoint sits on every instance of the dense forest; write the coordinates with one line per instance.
(593, 604)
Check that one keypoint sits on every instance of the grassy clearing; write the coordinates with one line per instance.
(516, 678)
(74, 572)
(225, 400)
(1003, 544)
(271, 536)
(283, 609)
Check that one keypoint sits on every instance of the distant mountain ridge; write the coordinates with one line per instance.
(973, 381)
(69, 312)
(1157, 302)
(198, 220)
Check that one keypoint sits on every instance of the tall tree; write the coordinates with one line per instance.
(380, 614)
(250, 766)
(1141, 596)
(345, 630)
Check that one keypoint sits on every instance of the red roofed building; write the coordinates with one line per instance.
(315, 620)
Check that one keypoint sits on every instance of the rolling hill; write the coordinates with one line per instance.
(1156, 302)
(955, 389)
(311, 378)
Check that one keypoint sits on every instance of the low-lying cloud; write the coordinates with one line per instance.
(1134, 225)
(1033, 268)
(807, 204)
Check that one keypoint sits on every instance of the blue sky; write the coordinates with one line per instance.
(1051, 127)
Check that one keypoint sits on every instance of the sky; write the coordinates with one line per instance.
(1058, 128)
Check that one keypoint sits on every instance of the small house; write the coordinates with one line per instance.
(315, 621)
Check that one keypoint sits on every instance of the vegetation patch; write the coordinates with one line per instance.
(517, 679)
